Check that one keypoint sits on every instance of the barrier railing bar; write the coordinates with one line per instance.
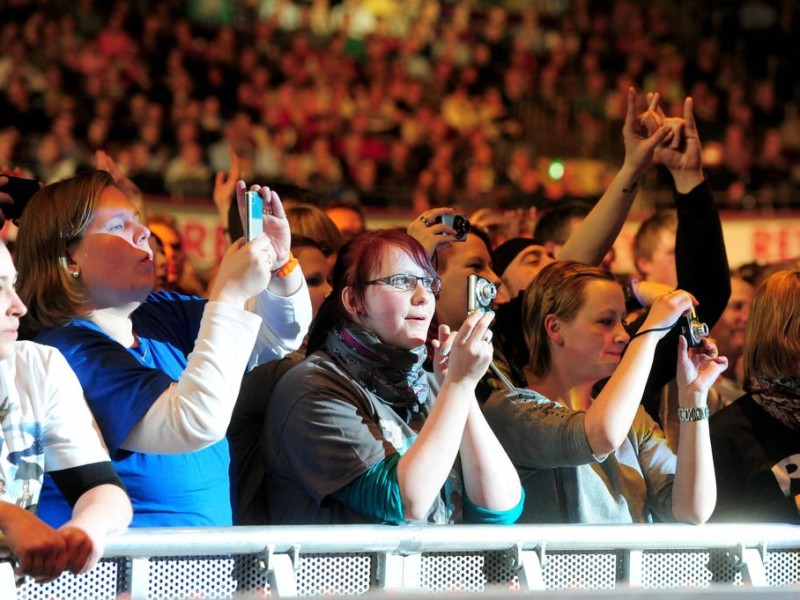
(406, 539)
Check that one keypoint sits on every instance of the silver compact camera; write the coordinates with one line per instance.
(693, 329)
(480, 293)
(459, 223)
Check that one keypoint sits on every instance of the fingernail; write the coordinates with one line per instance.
(445, 351)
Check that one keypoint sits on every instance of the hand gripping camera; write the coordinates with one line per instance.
(693, 329)
(459, 223)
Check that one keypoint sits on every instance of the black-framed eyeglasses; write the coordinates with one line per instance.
(408, 283)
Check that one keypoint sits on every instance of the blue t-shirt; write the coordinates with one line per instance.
(121, 384)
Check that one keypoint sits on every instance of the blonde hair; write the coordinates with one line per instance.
(55, 217)
(772, 337)
(558, 289)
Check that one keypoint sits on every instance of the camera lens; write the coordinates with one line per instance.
(485, 292)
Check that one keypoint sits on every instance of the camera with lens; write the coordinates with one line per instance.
(459, 223)
(480, 293)
(693, 329)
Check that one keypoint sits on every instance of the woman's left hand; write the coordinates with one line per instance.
(275, 223)
(698, 369)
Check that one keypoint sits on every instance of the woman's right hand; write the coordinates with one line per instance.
(430, 234)
(245, 271)
(463, 356)
(666, 310)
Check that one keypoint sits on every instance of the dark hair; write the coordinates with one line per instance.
(355, 266)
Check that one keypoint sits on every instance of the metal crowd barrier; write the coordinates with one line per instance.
(254, 562)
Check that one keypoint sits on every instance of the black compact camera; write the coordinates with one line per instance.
(459, 223)
(480, 293)
(693, 329)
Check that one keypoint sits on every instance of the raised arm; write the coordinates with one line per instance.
(490, 480)
(460, 359)
(694, 491)
(429, 233)
(225, 188)
(285, 305)
(611, 414)
(597, 233)
(700, 258)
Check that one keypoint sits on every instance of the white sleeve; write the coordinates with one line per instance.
(286, 320)
(195, 412)
(71, 437)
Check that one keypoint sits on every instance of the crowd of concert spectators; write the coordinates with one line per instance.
(416, 103)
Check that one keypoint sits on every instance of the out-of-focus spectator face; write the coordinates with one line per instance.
(524, 268)
(173, 250)
(11, 307)
(317, 272)
(159, 264)
(348, 221)
(455, 265)
(729, 330)
(660, 267)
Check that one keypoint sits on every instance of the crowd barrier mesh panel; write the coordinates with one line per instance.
(104, 582)
(242, 576)
(340, 574)
(783, 567)
(581, 570)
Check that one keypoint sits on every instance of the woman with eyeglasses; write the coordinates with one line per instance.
(359, 432)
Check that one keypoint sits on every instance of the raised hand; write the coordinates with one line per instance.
(464, 355)
(665, 312)
(432, 235)
(275, 223)
(683, 156)
(225, 186)
(641, 142)
(698, 369)
(244, 272)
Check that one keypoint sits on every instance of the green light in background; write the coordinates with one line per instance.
(556, 169)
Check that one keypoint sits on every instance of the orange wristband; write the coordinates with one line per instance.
(287, 267)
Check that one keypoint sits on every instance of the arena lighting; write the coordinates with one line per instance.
(556, 169)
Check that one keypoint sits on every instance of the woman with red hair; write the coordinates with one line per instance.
(359, 432)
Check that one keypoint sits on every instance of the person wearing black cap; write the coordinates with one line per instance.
(517, 261)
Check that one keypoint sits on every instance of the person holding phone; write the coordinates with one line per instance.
(161, 371)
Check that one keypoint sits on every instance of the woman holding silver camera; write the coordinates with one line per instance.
(359, 432)
(603, 459)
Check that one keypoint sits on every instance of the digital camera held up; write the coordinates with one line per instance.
(693, 329)
(459, 223)
(480, 294)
